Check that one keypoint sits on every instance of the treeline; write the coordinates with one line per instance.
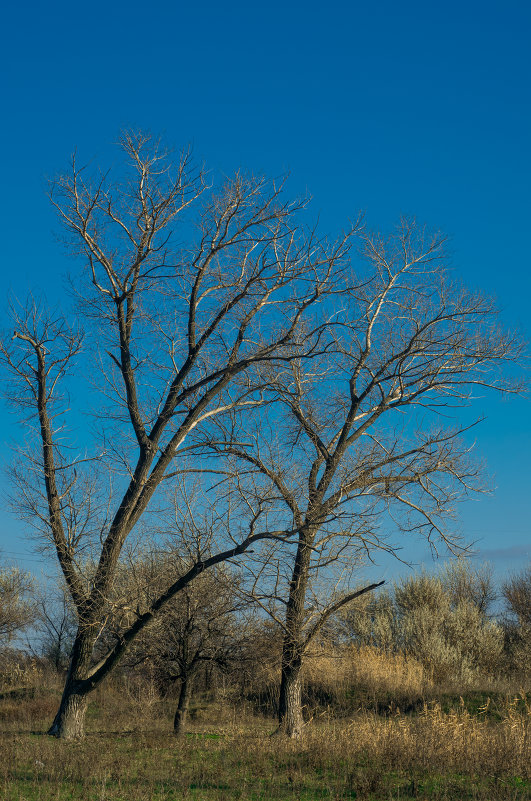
(453, 630)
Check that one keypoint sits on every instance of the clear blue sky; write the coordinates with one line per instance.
(411, 107)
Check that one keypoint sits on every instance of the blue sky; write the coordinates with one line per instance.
(411, 107)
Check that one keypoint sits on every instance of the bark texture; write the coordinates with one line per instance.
(290, 718)
(181, 713)
(290, 707)
(69, 722)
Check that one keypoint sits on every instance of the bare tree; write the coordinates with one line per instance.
(201, 629)
(467, 583)
(55, 625)
(174, 338)
(365, 444)
(16, 607)
(516, 592)
(202, 626)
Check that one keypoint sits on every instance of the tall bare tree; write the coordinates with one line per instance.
(174, 337)
(365, 444)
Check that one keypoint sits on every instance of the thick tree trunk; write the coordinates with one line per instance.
(181, 713)
(290, 721)
(69, 722)
(290, 704)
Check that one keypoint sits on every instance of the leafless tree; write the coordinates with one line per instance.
(202, 626)
(468, 583)
(365, 444)
(175, 336)
(55, 624)
(200, 630)
(516, 592)
(17, 611)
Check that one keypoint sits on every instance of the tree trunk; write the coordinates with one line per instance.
(181, 713)
(290, 721)
(290, 704)
(69, 722)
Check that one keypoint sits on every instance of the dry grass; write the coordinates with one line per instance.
(133, 756)
(339, 682)
(391, 673)
(378, 671)
(129, 753)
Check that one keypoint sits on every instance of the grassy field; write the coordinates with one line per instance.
(455, 748)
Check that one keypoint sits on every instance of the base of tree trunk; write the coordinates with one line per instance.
(292, 730)
(179, 723)
(181, 713)
(69, 723)
(290, 720)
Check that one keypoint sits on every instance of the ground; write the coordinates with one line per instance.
(457, 750)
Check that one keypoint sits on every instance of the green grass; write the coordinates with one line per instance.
(211, 766)
(453, 749)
